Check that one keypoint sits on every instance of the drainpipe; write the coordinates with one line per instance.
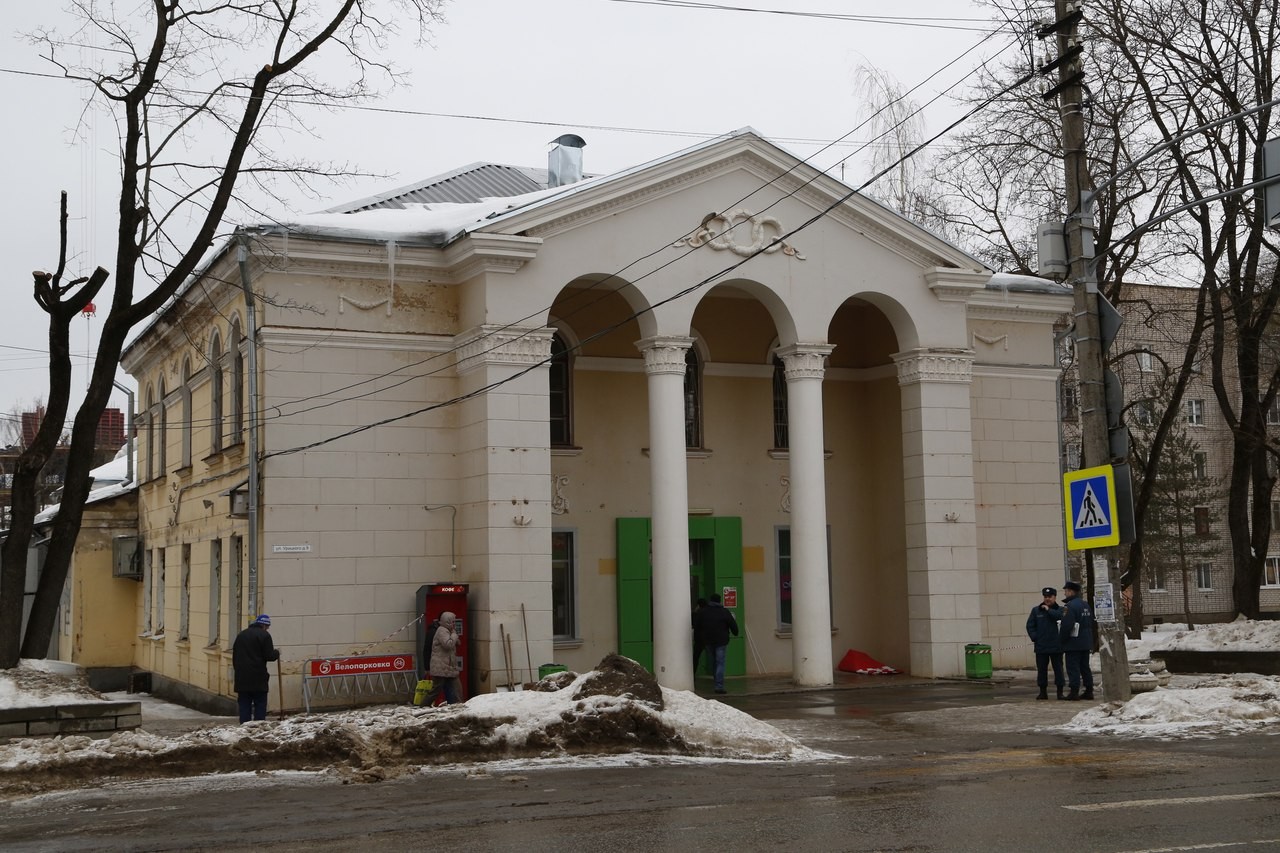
(129, 438)
(251, 321)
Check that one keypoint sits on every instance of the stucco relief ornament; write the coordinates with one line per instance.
(559, 503)
(718, 229)
(389, 300)
(786, 492)
(992, 340)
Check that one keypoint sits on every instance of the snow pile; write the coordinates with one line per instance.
(380, 742)
(1241, 635)
(1200, 706)
(38, 683)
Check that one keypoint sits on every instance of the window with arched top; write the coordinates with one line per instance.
(560, 390)
(186, 412)
(215, 394)
(151, 432)
(235, 430)
(162, 434)
(692, 398)
(781, 438)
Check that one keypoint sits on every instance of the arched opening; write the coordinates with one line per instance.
(236, 345)
(186, 412)
(865, 491)
(215, 394)
(560, 392)
(162, 436)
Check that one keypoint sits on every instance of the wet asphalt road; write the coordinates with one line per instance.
(937, 767)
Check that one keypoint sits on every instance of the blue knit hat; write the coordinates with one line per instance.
(264, 619)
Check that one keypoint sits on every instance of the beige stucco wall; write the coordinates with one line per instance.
(351, 527)
(96, 627)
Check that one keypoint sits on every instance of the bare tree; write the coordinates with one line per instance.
(1156, 70)
(198, 89)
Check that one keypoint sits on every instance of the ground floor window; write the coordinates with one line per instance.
(146, 592)
(1204, 575)
(782, 539)
(215, 589)
(564, 596)
(1271, 572)
(235, 588)
(1155, 577)
(158, 571)
(184, 596)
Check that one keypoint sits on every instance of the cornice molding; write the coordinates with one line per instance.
(511, 346)
(934, 365)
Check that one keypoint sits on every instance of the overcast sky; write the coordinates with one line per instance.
(502, 79)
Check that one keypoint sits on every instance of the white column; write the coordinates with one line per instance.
(810, 586)
(943, 595)
(664, 362)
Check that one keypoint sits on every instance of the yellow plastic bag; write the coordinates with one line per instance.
(420, 692)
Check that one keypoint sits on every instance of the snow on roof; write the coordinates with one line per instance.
(110, 480)
(439, 224)
(1016, 283)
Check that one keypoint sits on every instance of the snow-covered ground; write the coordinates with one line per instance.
(380, 742)
(1195, 705)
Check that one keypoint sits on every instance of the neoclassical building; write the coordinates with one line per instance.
(595, 403)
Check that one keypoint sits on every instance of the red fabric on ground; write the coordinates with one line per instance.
(864, 664)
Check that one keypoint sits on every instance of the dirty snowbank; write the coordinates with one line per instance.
(35, 683)
(1191, 707)
(386, 741)
(1242, 635)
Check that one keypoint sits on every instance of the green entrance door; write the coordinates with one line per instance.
(715, 566)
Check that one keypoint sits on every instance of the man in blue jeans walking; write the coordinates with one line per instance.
(711, 627)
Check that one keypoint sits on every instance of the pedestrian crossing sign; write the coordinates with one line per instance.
(1089, 497)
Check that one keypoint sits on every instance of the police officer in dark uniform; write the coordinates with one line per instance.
(1042, 628)
(1076, 632)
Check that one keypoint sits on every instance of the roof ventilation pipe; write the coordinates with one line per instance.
(564, 162)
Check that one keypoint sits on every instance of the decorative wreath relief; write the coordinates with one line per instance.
(721, 231)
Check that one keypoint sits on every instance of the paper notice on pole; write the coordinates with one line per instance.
(1104, 604)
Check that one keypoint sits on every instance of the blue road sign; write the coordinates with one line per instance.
(1089, 498)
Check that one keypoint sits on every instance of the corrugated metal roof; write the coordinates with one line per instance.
(466, 185)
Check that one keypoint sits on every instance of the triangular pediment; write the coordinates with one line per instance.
(793, 191)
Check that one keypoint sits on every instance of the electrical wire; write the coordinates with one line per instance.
(678, 295)
(279, 408)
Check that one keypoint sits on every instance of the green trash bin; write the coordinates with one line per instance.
(548, 668)
(977, 660)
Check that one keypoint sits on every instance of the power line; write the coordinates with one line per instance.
(895, 20)
(280, 409)
(678, 295)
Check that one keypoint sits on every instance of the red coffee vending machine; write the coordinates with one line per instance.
(434, 599)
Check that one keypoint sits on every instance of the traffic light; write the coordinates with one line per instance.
(1109, 322)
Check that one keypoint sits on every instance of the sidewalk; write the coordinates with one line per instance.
(166, 718)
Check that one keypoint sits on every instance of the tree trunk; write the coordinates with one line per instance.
(13, 555)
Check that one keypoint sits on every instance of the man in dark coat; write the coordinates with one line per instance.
(1076, 632)
(249, 656)
(1042, 628)
(711, 627)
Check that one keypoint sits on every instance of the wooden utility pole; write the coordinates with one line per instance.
(1095, 445)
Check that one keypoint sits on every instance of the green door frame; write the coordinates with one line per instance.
(635, 584)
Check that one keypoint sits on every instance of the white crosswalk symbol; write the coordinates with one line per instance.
(1091, 513)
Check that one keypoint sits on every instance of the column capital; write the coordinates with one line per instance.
(514, 346)
(664, 353)
(934, 365)
(804, 361)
